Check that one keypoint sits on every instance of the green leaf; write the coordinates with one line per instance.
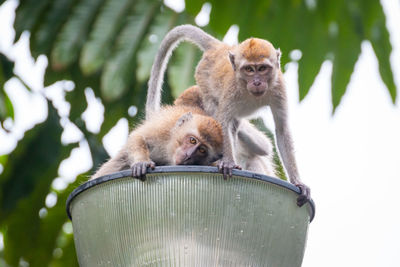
(314, 45)
(6, 107)
(6, 72)
(374, 19)
(181, 71)
(3, 159)
(118, 72)
(68, 257)
(6, 69)
(347, 49)
(74, 33)
(106, 27)
(329, 11)
(43, 39)
(151, 42)
(25, 182)
(43, 144)
(28, 14)
(193, 7)
(280, 171)
(224, 13)
(50, 227)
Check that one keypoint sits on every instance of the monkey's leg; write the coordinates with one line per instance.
(256, 141)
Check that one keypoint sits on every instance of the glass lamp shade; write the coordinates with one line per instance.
(188, 216)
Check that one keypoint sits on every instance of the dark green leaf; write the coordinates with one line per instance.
(6, 72)
(43, 40)
(68, 257)
(314, 45)
(50, 228)
(150, 44)
(74, 33)
(6, 69)
(6, 107)
(181, 71)
(347, 48)
(373, 18)
(28, 14)
(105, 29)
(118, 72)
(25, 183)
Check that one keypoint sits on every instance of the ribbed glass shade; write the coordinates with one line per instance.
(193, 218)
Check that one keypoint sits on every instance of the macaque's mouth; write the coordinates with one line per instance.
(260, 93)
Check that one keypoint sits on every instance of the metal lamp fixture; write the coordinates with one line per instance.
(188, 216)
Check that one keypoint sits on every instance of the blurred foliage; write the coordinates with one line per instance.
(6, 73)
(109, 46)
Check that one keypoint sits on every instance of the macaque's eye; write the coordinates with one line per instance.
(249, 69)
(262, 68)
(202, 150)
(193, 140)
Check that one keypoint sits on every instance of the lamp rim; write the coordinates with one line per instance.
(186, 169)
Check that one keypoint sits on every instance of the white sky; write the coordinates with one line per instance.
(350, 160)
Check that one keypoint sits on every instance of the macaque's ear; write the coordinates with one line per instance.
(278, 57)
(232, 59)
(184, 118)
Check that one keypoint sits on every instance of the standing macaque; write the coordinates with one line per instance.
(252, 149)
(235, 81)
(175, 135)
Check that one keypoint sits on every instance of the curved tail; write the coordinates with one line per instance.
(184, 32)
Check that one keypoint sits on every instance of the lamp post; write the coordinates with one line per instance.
(188, 216)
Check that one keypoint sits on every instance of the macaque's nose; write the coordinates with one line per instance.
(189, 153)
(257, 83)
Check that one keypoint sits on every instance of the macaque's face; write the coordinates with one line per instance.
(255, 63)
(257, 77)
(191, 151)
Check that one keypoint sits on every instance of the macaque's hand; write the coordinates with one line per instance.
(139, 169)
(225, 166)
(305, 195)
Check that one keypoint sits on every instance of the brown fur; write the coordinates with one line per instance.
(190, 97)
(253, 149)
(235, 81)
(160, 140)
(256, 49)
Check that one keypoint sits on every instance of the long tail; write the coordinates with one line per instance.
(184, 32)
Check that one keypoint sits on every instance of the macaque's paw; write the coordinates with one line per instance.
(226, 166)
(304, 196)
(139, 169)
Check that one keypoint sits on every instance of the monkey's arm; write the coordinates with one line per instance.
(115, 164)
(138, 155)
(227, 163)
(286, 149)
